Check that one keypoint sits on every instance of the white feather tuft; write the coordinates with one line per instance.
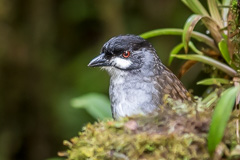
(121, 63)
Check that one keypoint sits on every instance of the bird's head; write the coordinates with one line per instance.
(125, 53)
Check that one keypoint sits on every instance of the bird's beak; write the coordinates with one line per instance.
(99, 61)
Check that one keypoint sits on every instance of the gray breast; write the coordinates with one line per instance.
(132, 96)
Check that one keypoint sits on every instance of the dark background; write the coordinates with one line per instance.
(45, 46)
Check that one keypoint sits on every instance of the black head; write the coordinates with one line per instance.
(124, 52)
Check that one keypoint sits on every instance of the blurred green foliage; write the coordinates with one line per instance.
(98, 105)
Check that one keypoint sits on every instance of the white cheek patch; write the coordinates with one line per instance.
(121, 63)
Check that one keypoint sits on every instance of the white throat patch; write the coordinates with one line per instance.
(121, 63)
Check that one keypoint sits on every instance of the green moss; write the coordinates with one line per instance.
(176, 132)
(171, 134)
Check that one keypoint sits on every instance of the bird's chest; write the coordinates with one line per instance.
(131, 96)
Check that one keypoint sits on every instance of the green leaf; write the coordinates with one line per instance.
(220, 117)
(177, 49)
(210, 99)
(193, 47)
(196, 7)
(224, 50)
(176, 31)
(213, 27)
(211, 81)
(190, 24)
(213, 24)
(188, 28)
(174, 51)
(215, 14)
(208, 60)
(96, 104)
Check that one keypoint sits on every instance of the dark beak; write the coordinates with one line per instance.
(99, 61)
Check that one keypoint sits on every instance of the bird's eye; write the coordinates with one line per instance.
(126, 54)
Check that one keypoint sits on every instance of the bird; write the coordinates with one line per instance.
(139, 81)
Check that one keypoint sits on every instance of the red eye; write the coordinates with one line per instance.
(126, 54)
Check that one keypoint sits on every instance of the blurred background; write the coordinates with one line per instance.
(45, 46)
